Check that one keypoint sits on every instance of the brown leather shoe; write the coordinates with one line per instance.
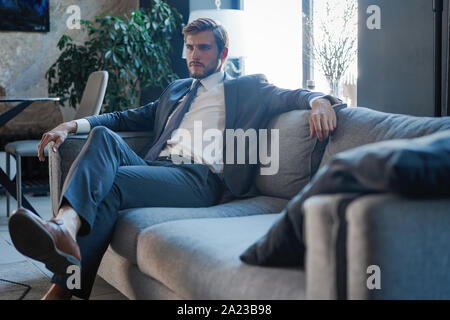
(45, 241)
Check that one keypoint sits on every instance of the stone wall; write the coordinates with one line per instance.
(26, 56)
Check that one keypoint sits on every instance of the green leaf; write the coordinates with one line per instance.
(133, 48)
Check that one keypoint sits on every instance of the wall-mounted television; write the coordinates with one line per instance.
(24, 15)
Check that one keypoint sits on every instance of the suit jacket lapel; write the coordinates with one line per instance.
(174, 96)
(231, 101)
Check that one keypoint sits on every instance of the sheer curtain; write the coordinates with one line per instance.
(274, 41)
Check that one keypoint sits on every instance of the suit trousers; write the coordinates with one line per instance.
(108, 176)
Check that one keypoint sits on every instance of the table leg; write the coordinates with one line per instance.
(11, 188)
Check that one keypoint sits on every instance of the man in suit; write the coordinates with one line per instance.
(108, 176)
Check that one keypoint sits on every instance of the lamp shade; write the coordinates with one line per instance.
(232, 21)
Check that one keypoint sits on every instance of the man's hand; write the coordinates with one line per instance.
(58, 135)
(322, 118)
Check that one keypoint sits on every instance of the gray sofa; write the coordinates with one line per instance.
(193, 253)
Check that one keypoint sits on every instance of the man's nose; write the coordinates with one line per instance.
(195, 54)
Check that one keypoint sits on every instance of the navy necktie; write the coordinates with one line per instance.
(173, 124)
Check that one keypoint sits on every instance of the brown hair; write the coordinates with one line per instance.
(205, 24)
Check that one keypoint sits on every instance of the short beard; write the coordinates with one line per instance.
(204, 75)
(208, 72)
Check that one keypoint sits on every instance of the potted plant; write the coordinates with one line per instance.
(133, 49)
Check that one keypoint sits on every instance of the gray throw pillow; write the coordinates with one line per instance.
(294, 156)
(299, 155)
(417, 167)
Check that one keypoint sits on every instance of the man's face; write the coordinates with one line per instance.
(202, 55)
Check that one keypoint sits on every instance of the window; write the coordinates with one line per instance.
(274, 41)
(275, 47)
(334, 47)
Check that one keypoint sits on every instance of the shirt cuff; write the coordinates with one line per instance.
(83, 126)
(333, 100)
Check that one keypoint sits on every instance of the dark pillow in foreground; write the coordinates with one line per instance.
(417, 167)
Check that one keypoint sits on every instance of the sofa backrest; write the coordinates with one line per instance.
(300, 156)
(359, 126)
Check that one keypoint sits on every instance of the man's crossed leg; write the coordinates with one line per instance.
(106, 177)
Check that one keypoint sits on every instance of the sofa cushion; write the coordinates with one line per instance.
(359, 126)
(132, 221)
(199, 259)
(295, 150)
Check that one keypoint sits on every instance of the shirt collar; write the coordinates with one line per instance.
(212, 80)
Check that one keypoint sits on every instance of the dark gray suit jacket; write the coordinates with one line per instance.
(250, 103)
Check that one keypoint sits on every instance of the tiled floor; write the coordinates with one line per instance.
(35, 273)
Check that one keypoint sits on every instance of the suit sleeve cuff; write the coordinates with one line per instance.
(83, 126)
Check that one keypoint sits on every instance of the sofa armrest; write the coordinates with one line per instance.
(61, 160)
(408, 239)
(324, 236)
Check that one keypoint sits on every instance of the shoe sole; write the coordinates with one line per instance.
(32, 240)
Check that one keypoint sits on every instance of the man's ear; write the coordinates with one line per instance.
(224, 54)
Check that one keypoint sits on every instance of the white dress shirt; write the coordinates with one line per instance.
(206, 112)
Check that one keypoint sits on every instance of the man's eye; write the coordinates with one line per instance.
(189, 47)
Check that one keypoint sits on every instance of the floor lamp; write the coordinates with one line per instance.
(438, 10)
(448, 62)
